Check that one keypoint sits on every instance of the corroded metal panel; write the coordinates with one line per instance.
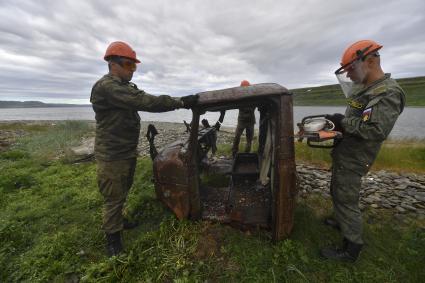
(235, 94)
(245, 201)
(286, 186)
(192, 165)
(171, 180)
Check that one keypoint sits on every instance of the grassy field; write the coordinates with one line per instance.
(331, 95)
(50, 229)
(399, 156)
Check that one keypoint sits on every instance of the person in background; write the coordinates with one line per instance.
(115, 101)
(246, 121)
(375, 101)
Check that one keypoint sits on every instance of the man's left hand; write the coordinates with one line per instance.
(336, 119)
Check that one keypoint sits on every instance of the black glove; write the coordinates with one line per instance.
(189, 100)
(217, 126)
(336, 118)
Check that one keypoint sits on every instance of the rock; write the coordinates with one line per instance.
(322, 183)
(401, 187)
(420, 196)
(400, 209)
(407, 206)
(387, 205)
(420, 206)
(84, 149)
(401, 180)
(399, 193)
(369, 200)
(411, 191)
(417, 186)
(308, 187)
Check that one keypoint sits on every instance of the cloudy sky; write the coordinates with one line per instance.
(52, 51)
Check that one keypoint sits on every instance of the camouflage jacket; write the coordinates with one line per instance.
(116, 103)
(369, 119)
(246, 116)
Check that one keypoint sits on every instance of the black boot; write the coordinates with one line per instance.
(113, 243)
(349, 252)
(329, 221)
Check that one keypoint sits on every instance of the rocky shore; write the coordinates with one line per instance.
(403, 194)
(169, 132)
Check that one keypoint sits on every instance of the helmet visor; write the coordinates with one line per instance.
(351, 77)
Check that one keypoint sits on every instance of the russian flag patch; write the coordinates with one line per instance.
(366, 114)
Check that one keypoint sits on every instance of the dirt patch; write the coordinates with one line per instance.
(210, 246)
(209, 243)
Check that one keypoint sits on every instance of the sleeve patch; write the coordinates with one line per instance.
(355, 104)
(367, 114)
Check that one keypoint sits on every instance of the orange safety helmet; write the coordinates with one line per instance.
(245, 83)
(359, 50)
(122, 49)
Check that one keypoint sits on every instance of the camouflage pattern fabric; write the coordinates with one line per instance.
(246, 116)
(116, 103)
(249, 131)
(369, 119)
(114, 179)
(246, 121)
(345, 192)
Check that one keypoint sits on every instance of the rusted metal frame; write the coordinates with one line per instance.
(285, 190)
(193, 174)
(237, 94)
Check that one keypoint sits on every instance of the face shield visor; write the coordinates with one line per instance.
(351, 77)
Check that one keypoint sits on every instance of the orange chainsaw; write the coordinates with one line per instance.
(318, 131)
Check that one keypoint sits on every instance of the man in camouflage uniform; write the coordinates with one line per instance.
(246, 121)
(375, 102)
(116, 101)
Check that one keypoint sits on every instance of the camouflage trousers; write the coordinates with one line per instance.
(249, 131)
(114, 179)
(345, 192)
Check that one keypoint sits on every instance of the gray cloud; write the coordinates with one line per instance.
(52, 50)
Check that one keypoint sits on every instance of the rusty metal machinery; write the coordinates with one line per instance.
(240, 199)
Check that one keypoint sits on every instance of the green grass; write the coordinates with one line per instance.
(331, 95)
(400, 156)
(28, 127)
(50, 221)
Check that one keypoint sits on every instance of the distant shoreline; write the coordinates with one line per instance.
(325, 95)
(37, 104)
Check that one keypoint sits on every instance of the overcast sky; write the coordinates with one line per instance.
(52, 51)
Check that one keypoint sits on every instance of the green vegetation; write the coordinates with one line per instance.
(331, 95)
(50, 231)
(400, 156)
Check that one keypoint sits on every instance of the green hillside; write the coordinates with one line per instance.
(332, 94)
